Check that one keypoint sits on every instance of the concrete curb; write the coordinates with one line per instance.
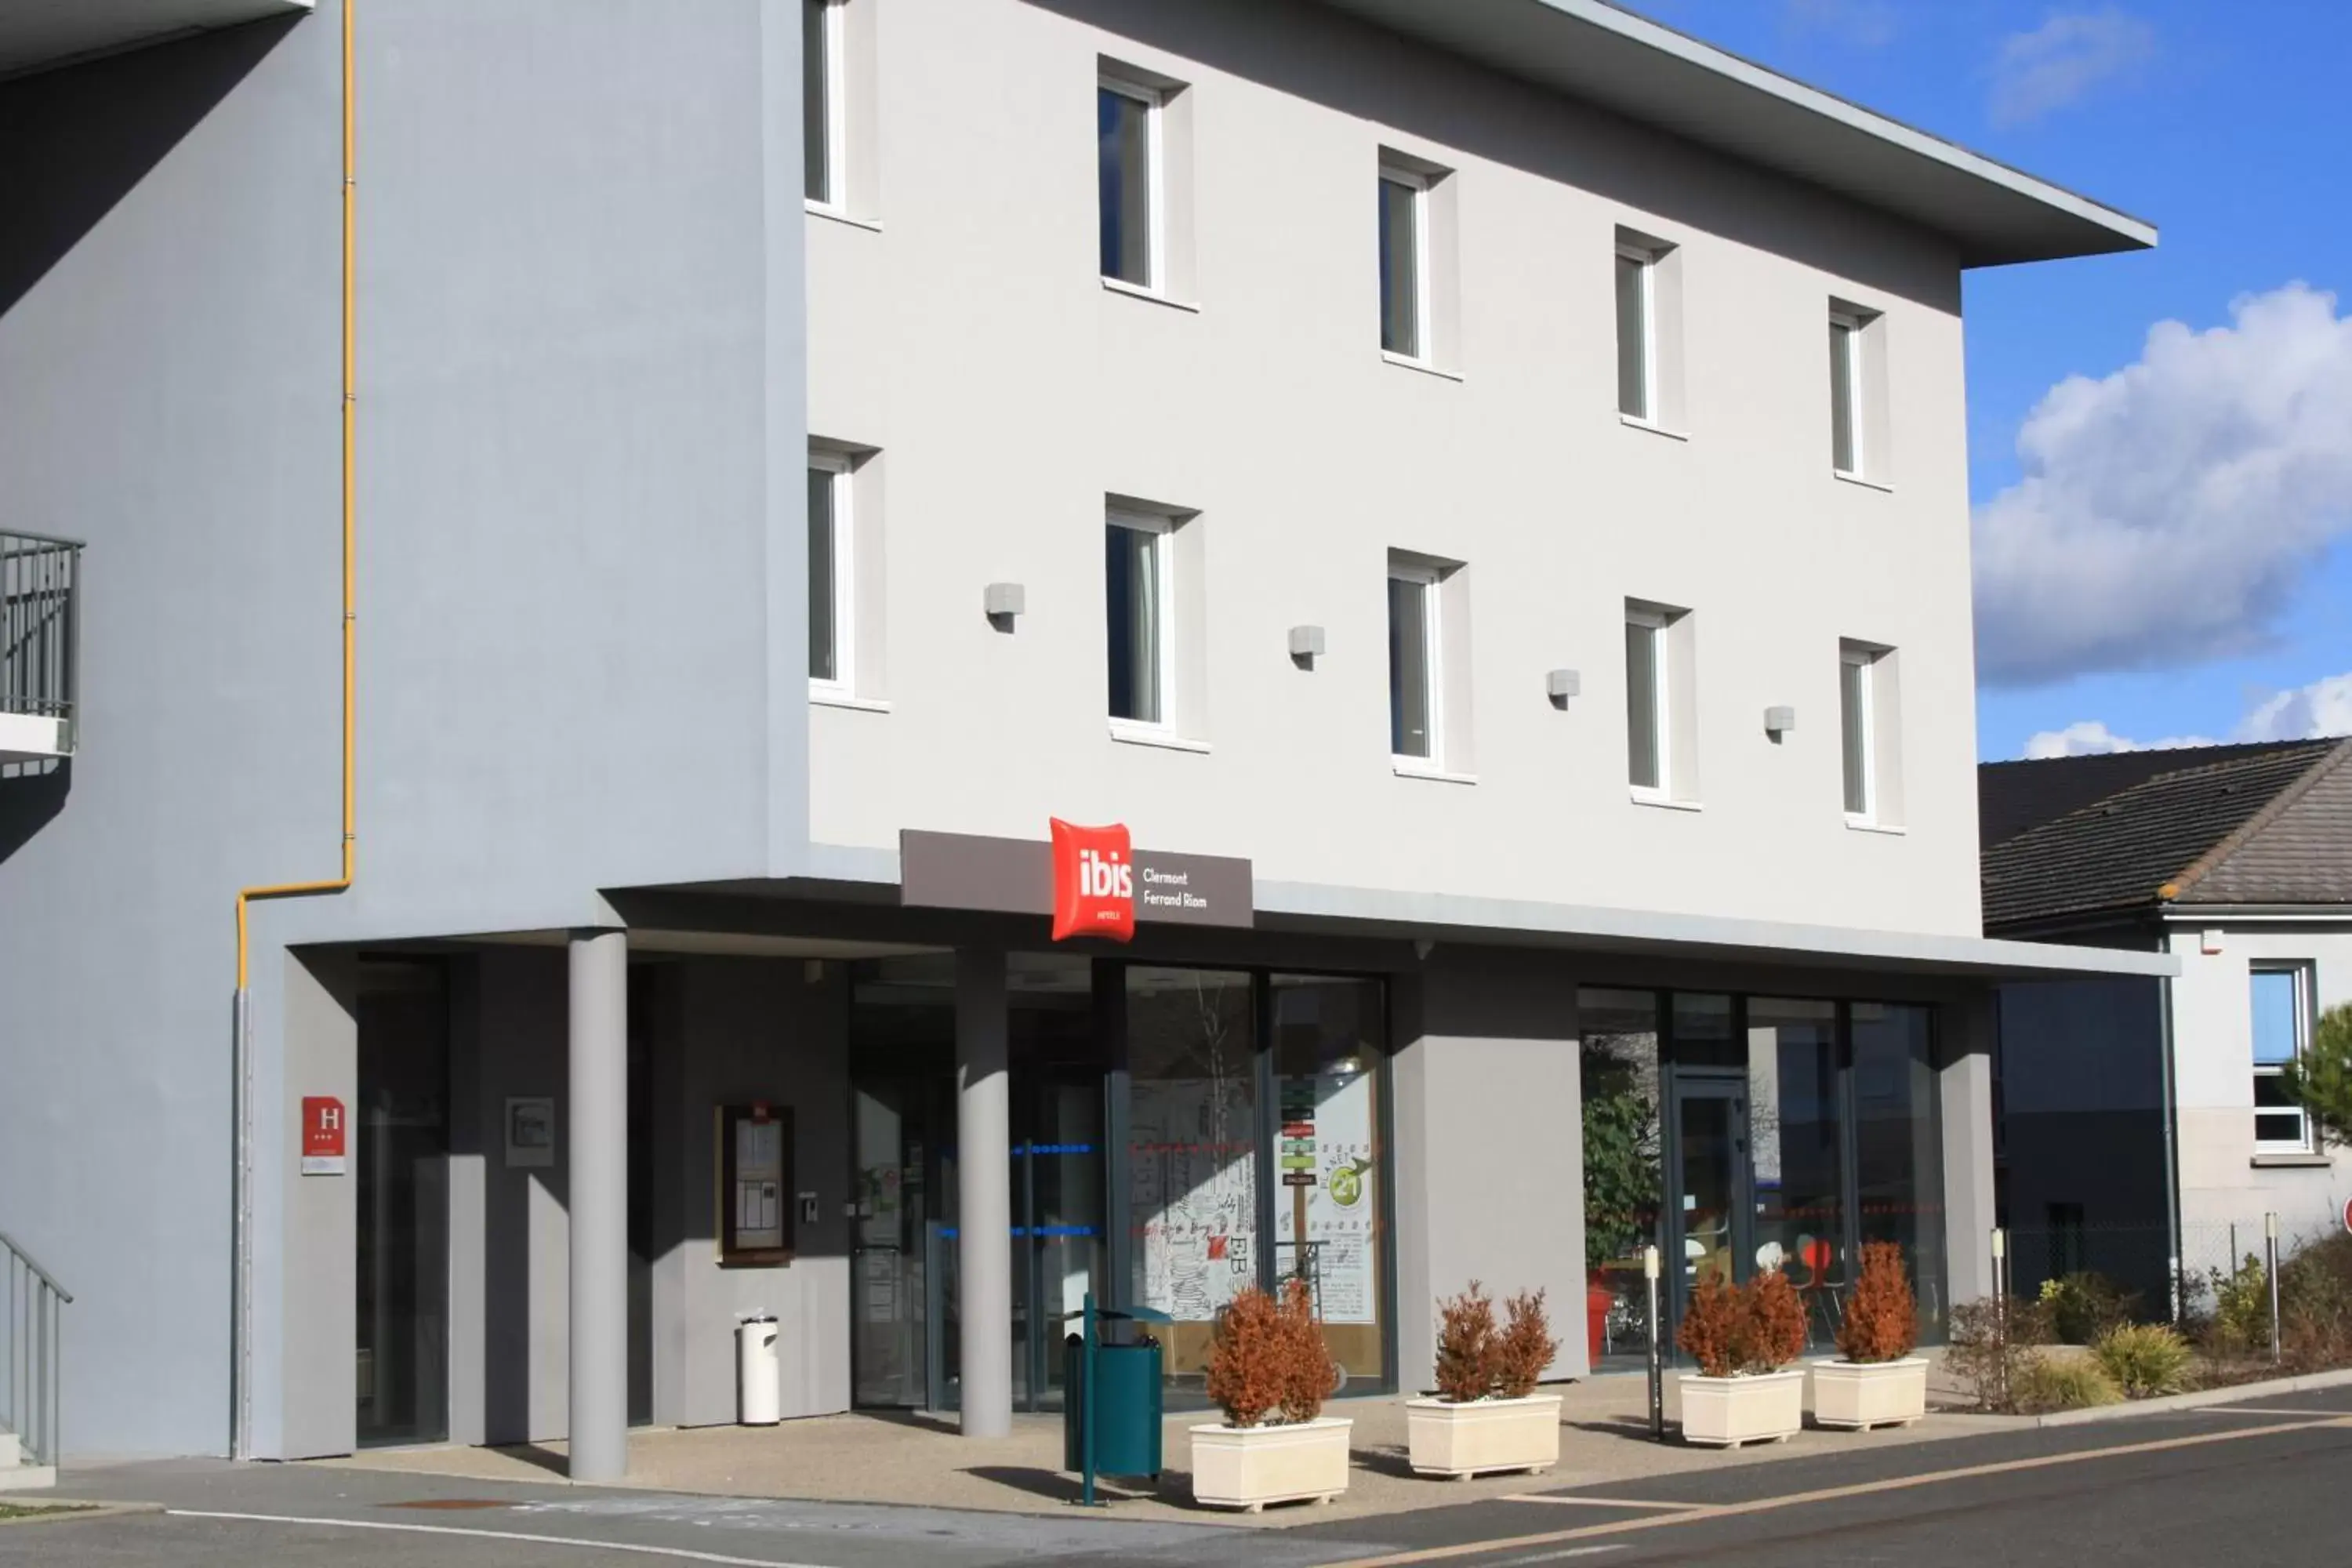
(66, 1510)
(2236, 1393)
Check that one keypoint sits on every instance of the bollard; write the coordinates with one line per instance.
(2001, 1305)
(1657, 1361)
(2270, 1252)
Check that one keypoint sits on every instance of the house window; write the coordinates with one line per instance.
(1846, 382)
(2282, 1017)
(1648, 736)
(831, 572)
(1404, 263)
(1637, 332)
(1139, 597)
(1127, 124)
(1854, 727)
(1413, 684)
(822, 47)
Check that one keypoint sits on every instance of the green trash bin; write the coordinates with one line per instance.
(1128, 1407)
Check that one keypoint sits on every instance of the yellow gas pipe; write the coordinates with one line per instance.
(350, 837)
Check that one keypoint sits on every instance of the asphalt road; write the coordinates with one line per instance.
(2265, 1485)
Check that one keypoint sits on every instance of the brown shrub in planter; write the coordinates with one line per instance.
(1526, 1348)
(1778, 1318)
(1308, 1370)
(1467, 1346)
(1881, 1320)
(1715, 1328)
(1249, 1366)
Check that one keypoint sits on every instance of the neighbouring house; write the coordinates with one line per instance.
(609, 534)
(2142, 1127)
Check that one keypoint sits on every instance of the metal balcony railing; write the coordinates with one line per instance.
(32, 1337)
(40, 621)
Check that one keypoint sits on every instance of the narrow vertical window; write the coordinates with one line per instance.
(1413, 664)
(1139, 602)
(1855, 728)
(1636, 334)
(1645, 702)
(1127, 130)
(821, 78)
(1845, 384)
(1403, 264)
(829, 544)
(2282, 1030)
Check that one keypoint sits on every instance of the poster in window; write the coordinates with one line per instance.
(755, 1167)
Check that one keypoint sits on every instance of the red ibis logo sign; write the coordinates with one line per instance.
(1094, 882)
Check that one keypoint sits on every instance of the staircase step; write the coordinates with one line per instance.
(27, 1478)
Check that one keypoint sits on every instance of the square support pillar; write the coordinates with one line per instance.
(598, 1155)
(983, 1194)
(1965, 1089)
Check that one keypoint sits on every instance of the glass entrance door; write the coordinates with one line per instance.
(1711, 1223)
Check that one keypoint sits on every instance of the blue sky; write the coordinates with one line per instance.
(2174, 560)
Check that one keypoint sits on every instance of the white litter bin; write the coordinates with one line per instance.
(758, 1399)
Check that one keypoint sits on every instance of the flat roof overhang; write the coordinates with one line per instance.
(37, 34)
(869, 877)
(1592, 50)
(1507, 923)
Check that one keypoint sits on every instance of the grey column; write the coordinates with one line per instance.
(1964, 1088)
(599, 1162)
(984, 1195)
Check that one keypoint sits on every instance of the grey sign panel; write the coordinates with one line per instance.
(1015, 876)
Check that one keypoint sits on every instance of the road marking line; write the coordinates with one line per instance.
(1598, 1501)
(679, 1553)
(1826, 1494)
(1556, 1556)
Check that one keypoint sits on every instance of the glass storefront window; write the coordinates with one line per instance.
(1193, 1154)
(1624, 1176)
(1898, 1156)
(1702, 1032)
(1328, 1040)
(1795, 1133)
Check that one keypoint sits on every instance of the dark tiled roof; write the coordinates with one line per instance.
(2080, 834)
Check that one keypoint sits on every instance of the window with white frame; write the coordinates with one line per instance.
(1416, 648)
(2281, 998)
(832, 572)
(1637, 332)
(1649, 734)
(1404, 262)
(1856, 725)
(1859, 407)
(1128, 127)
(824, 51)
(1139, 599)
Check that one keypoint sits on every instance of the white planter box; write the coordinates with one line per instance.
(1866, 1394)
(1727, 1412)
(1250, 1466)
(1464, 1440)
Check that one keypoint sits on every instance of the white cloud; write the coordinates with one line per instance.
(2091, 738)
(2316, 711)
(2169, 510)
(2063, 59)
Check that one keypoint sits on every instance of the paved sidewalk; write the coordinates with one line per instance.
(920, 1461)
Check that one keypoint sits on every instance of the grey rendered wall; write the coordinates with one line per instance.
(1489, 1146)
(1261, 399)
(580, 578)
(762, 1030)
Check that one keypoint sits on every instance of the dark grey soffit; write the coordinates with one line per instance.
(838, 871)
(1589, 49)
(37, 34)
